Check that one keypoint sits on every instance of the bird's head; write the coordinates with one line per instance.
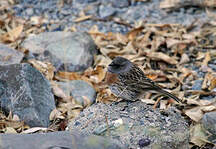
(119, 65)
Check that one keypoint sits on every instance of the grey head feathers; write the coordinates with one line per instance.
(119, 65)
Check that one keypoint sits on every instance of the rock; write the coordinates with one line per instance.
(85, 1)
(65, 50)
(120, 4)
(27, 93)
(9, 55)
(106, 11)
(29, 11)
(197, 85)
(134, 125)
(79, 89)
(126, 10)
(57, 140)
(209, 122)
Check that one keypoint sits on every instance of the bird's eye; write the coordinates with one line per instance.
(116, 66)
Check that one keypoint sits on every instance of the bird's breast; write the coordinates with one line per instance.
(111, 78)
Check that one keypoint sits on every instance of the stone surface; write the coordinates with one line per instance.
(126, 10)
(79, 89)
(135, 125)
(65, 50)
(9, 55)
(106, 11)
(209, 122)
(56, 140)
(27, 93)
(197, 85)
(121, 3)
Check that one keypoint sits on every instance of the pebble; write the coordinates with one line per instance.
(129, 10)
(106, 11)
(81, 91)
(9, 55)
(209, 122)
(197, 85)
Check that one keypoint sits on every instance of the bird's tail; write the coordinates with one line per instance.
(165, 93)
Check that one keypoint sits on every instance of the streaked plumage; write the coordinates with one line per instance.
(129, 82)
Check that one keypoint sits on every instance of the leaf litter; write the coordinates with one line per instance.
(170, 54)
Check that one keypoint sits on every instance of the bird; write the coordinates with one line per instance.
(128, 81)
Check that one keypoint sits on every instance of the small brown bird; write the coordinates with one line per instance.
(128, 81)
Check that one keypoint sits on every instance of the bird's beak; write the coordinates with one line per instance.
(111, 64)
(109, 67)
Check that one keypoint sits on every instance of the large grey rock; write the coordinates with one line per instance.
(135, 124)
(80, 91)
(209, 122)
(9, 55)
(65, 50)
(27, 93)
(57, 140)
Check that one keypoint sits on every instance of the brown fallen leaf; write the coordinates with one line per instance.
(83, 18)
(206, 59)
(35, 129)
(173, 42)
(10, 130)
(11, 123)
(209, 81)
(195, 113)
(57, 91)
(98, 74)
(70, 76)
(213, 83)
(134, 32)
(161, 56)
(12, 35)
(184, 59)
(45, 68)
(56, 114)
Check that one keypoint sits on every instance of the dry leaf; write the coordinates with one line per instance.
(83, 18)
(56, 114)
(209, 81)
(173, 42)
(62, 76)
(45, 68)
(38, 20)
(198, 135)
(168, 4)
(87, 101)
(213, 83)
(195, 113)
(57, 91)
(15, 118)
(10, 123)
(209, 108)
(133, 33)
(206, 59)
(161, 56)
(184, 59)
(200, 55)
(98, 74)
(12, 35)
(34, 129)
(10, 130)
